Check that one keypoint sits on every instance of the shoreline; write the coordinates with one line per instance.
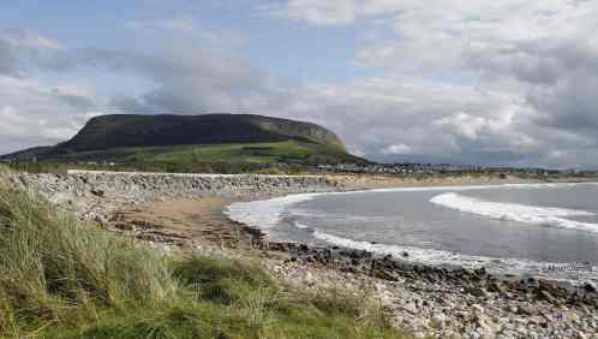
(566, 274)
(487, 304)
(428, 301)
(527, 305)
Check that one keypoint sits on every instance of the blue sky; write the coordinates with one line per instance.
(486, 82)
(287, 49)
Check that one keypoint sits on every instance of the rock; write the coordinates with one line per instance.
(439, 318)
(478, 291)
(545, 295)
(497, 287)
(589, 287)
(97, 192)
(100, 219)
(279, 247)
(124, 227)
(487, 328)
(410, 307)
(477, 308)
(526, 310)
(481, 271)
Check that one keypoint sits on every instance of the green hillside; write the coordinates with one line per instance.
(123, 130)
(180, 143)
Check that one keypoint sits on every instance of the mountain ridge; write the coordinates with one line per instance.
(126, 130)
(121, 136)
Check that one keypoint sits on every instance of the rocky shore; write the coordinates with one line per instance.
(450, 302)
(429, 301)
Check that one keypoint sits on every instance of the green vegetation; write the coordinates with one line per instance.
(196, 141)
(222, 143)
(63, 279)
(255, 153)
(271, 157)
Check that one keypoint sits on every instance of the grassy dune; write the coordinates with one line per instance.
(63, 279)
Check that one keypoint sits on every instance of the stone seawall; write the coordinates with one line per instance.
(93, 193)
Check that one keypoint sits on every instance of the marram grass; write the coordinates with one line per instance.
(60, 278)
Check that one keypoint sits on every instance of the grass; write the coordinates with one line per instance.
(60, 278)
(251, 153)
(290, 157)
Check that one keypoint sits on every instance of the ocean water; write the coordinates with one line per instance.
(540, 229)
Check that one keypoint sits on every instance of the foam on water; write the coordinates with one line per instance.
(266, 214)
(263, 213)
(440, 257)
(300, 225)
(535, 215)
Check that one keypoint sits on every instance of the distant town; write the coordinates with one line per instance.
(420, 169)
(399, 169)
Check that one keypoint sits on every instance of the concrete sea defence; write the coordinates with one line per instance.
(77, 184)
(95, 195)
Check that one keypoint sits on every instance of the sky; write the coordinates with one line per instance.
(504, 83)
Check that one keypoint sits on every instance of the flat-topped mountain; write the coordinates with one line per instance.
(127, 130)
(196, 138)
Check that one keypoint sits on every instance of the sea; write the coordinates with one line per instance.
(546, 230)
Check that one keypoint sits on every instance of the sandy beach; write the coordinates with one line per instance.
(202, 221)
(427, 301)
(171, 214)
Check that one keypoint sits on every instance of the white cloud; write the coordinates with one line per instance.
(397, 149)
(499, 82)
(29, 40)
(34, 114)
(18, 47)
(175, 24)
(464, 124)
(488, 81)
(331, 12)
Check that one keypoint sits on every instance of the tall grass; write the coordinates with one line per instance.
(52, 267)
(60, 278)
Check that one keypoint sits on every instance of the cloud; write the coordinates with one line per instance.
(185, 78)
(189, 80)
(330, 12)
(397, 149)
(322, 12)
(175, 24)
(18, 46)
(495, 82)
(508, 82)
(28, 40)
(34, 113)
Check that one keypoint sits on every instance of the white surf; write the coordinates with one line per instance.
(535, 215)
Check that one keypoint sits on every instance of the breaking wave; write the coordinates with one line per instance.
(264, 213)
(535, 215)
(267, 214)
(441, 257)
